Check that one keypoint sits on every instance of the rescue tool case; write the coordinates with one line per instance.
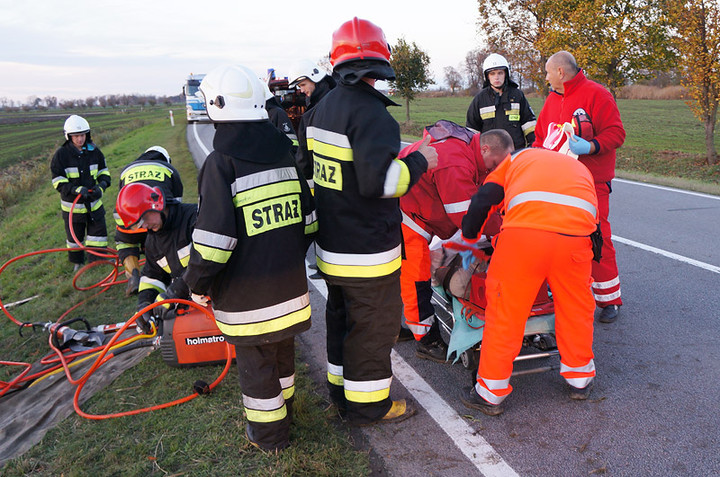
(192, 339)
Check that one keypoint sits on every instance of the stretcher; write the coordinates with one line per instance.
(459, 299)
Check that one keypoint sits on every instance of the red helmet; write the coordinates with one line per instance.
(358, 40)
(137, 198)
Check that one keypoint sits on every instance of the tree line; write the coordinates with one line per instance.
(104, 101)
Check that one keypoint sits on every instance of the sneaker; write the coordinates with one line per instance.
(133, 283)
(473, 400)
(435, 351)
(405, 335)
(609, 314)
(581, 394)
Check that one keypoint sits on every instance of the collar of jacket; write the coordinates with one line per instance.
(574, 83)
(363, 86)
(257, 141)
(322, 88)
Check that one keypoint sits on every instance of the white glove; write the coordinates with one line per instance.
(201, 300)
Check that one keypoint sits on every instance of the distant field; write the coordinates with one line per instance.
(665, 142)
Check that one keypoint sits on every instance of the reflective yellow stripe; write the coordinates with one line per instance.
(266, 416)
(211, 254)
(123, 245)
(288, 392)
(397, 179)
(266, 192)
(367, 391)
(359, 271)
(184, 255)
(261, 328)
(336, 380)
(330, 150)
(265, 410)
(335, 374)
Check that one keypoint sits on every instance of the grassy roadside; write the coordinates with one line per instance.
(202, 437)
(664, 143)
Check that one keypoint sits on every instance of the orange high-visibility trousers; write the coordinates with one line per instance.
(415, 283)
(523, 258)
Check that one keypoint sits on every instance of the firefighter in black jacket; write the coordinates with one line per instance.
(153, 168)
(279, 118)
(501, 104)
(255, 221)
(354, 144)
(169, 228)
(78, 168)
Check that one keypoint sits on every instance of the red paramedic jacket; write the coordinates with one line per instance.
(440, 199)
(599, 104)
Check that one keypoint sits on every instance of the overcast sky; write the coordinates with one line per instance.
(81, 48)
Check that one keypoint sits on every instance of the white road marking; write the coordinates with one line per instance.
(671, 189)
(665, 253)
(198, 141)
(471, 444)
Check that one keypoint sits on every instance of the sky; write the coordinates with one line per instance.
(83, 48)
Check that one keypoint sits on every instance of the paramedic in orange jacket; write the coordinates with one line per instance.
(435, 206)
(551, 209)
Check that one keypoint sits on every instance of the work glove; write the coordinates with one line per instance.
(83, 192)
(144, 321)
(201, 300)
(579, 145)
(95, 193)
(166, 310)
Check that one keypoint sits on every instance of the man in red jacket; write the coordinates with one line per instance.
(592, 111)
(435, 206)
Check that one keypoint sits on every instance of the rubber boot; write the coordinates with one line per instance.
(132, 271)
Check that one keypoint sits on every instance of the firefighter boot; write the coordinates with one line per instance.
(431, 346)
(472, 400)
(132, 271)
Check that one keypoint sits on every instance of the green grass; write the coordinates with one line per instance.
(665, 143)
(203, 437)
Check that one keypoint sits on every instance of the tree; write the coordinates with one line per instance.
(696, 38)
(453, 78)
(412, 73)
(473, 68)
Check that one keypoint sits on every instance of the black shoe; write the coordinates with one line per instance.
(436, 351)
(315, 276)
(609, 314)
(581, 394)
(473, 400)
(405, 335)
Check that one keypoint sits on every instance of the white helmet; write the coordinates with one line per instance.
(493, 62)
(234, 93)
(161, 150)
(75, 125)
(268, 93)
(305, 69)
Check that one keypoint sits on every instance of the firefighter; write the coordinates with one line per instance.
(78, 168)
(169, 225)
(279, 118)
(600, 132)
(501, 104)
(435, 207)
(153, 168)
(256, 219)
(354, 144)
(551, 213)
(311, 80)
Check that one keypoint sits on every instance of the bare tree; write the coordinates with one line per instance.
(453, 78)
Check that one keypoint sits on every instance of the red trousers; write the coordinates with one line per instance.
(523, 258)
(606, 281)
(415, 283)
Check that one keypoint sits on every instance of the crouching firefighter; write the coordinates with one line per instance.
(255, 221)
(169, 229)
(153, 168)
(78, 168)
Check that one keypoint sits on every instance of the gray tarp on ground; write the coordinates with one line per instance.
(25, 416)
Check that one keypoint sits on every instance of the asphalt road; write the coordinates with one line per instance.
(654, 408)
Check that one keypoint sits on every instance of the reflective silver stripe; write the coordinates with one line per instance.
(311, 184)
(72, 170)
(287, 382)
(79, 207)
(104, 171)
(59, 179)
(514, 106)
(96, 238)
(163, 263)
(94, 167)
(552, 198)
(605, 285)
(608, 297)
(184, 252)
(457, 207)
(412, 225)
(211, 239)
(528, 125)
(392, 178)
(292, 137)
(263, 314)
(69, 244)
(579, 383)
(263, 178)
(368, 386)
(359, 259)
(422, 327)
(588, 368)
(487, 109)
(494, 384)
(334, 369)
(312, 217)
(328, 137)
(153, 283)
(488, 396)
(263, 404)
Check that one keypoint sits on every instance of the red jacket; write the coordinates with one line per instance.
(599, 104)
(441, 197)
